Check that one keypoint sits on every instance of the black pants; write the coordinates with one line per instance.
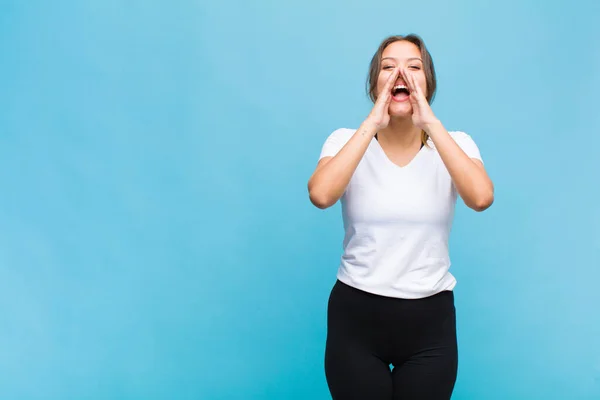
(366, 334)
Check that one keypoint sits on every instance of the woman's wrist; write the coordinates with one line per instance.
(368, 128)
(433, 128)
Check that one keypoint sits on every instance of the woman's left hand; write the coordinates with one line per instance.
(423, 115)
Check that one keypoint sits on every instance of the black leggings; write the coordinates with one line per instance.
(367, 333)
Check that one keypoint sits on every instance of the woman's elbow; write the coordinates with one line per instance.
(483, 202)
(318, 197)
(320, 201)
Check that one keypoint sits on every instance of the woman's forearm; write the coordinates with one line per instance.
(469, 176)
(331, 177)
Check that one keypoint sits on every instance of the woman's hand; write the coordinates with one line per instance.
(423, 116)
(380, 115)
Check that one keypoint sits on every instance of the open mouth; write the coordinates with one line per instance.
(400, 90)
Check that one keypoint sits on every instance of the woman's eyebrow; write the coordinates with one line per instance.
(408, 59)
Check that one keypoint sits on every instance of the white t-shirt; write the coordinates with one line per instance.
(397, 220)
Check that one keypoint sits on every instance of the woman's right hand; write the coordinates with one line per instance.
(332, 175)
(380, 115)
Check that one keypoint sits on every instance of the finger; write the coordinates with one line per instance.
(418, 87)
(410, 82)
(414, 98)
(385, 97)
(387, 104)
(391, 80)
(395, 75)
(407, 80)
(413, 94)
(416, 92)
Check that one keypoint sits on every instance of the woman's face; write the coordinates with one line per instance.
(408, 56)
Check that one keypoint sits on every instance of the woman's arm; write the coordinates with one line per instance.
(468, 174)
(332, 174)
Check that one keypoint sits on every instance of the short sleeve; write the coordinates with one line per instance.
(334, 143)
(467, 144)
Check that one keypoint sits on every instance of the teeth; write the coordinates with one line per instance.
(400, 87)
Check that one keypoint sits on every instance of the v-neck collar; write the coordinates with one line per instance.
(382, 152)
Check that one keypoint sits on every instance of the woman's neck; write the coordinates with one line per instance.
(400, 134)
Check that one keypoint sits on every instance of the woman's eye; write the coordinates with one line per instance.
(388, 67)
(415, 67)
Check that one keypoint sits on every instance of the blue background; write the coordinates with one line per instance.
(156, 238)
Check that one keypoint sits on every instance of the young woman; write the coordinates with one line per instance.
(391, 329)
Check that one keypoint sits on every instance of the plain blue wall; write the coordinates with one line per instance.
(156, 238)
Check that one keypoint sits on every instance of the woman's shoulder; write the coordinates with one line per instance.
(340, 136)
(459, 137)
(465, 142)
(335, 141)
(342, 133)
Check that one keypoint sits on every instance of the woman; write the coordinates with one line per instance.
(391, 325)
